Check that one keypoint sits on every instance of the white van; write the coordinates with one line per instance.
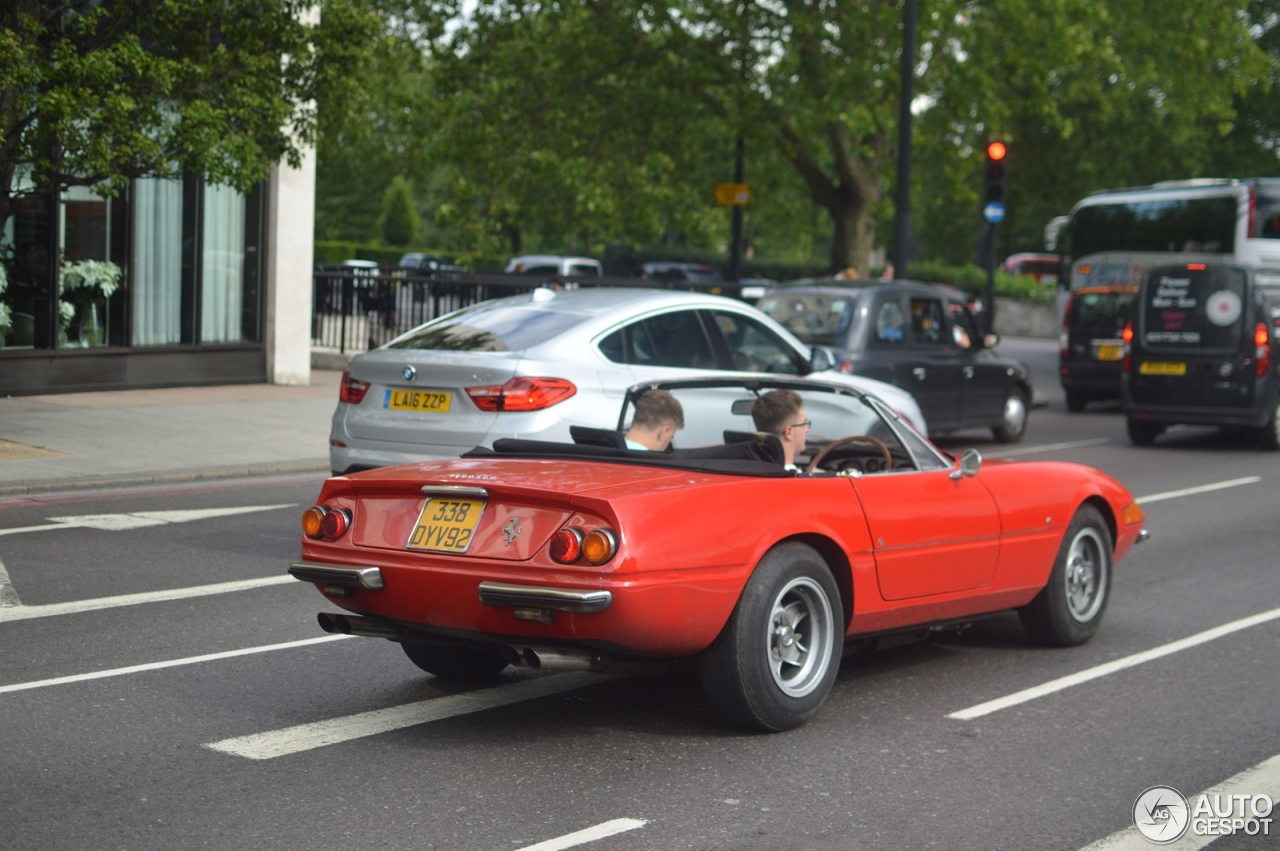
(554, 264)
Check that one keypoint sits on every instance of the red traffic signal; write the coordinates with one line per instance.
(996, 151)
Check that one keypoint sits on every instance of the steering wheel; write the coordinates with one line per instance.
(857, 438)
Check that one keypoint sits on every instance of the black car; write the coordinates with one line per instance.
(1090, 346)
(920, 337)
(1201, 349)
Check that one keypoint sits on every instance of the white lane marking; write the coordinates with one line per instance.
(22, 613)
(1048, 447)
(590, 834)
(172, 663)
(334, 730)
(8, 595)
(1262, 779)
(1216, 486)
(1113, 666)
(141, 519)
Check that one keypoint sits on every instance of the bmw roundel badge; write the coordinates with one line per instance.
(410, 373)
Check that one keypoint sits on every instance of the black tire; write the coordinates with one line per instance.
(1141, 432)
(1013, 421)
(1076, 401)
(1069, 609)
(1269, 435)
(455, 661)
(775, 661)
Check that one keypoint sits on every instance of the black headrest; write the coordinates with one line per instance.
(587, 436)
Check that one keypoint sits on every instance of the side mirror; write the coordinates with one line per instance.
(970, 463)
(991, 340)
(819, 360)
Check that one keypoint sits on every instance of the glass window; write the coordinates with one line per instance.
(927, 326)
(1266, 220)
(677, 339)
(819, 319)
(1200, 225)
(156, 270)
(890, 324)
(1100, 314)
(490, 328)
(581, 271)
(964, 329)
(90, 273)
(753, 347)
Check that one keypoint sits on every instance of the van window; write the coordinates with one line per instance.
(1100, 314)
(581, 270)
(1187, 308)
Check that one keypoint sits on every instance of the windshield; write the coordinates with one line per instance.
(1098, 314)
(1195, 225)
(490, 328)
(1193, 308)
(819, 319)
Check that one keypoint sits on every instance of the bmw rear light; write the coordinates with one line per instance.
(566, 545)
(352, 389)
(1127, 338)
(522, 394)
(1262, 339)
(320, 521)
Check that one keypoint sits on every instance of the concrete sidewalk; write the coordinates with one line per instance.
(129, 437)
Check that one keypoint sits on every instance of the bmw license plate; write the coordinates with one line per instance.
(1160, 367)
(446, 525)
(434, 401)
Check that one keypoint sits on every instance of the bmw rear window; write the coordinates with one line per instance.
(490, 328)
(816, 318)
(1193, 308)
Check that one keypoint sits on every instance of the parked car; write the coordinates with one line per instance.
(429, 263)
(533, 365)
(667, 271)
(566, 556)
(1043, 267)
(920, 337)
(1200, 348)
(553, 264)
(1090, 345)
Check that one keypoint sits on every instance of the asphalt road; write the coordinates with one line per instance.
(108, 711)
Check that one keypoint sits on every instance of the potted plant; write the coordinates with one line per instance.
(84, 289)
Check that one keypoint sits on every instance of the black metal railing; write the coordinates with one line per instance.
(354, 309)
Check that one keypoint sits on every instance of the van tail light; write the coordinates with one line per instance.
(1262, 339)
(352, 390)
(1127, 338)
(1064, 338)
(522, 394)
(846, 367)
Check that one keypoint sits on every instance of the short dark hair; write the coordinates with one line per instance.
(772, 411)
(656, 407)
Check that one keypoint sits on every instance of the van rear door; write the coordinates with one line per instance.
(1191, 347)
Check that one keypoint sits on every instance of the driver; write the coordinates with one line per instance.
(781, 412)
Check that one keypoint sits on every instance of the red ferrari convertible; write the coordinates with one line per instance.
(591, 556)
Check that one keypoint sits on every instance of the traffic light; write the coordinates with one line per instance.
(995, 177)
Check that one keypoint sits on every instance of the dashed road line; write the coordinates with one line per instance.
(590, 834)
(171, 663)
(1262, 779)
(141, 519)
(1048, 447)
(332, 731)
(1216, 486)
(21, 613)
(1112, 667)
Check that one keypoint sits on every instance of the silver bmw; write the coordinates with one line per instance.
(532, 365)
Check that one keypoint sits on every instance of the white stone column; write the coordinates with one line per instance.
(291, 212)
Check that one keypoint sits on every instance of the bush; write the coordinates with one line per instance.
(398, 223)
(973, 280)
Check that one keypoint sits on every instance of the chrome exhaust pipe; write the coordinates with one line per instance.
(357, 625)
(560, 659)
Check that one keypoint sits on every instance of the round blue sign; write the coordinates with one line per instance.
(993, 212)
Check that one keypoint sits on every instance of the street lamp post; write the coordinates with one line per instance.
(902, 205)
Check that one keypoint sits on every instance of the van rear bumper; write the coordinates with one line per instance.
(1170, 415)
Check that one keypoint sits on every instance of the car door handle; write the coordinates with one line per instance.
(918, 372)
(968, 372)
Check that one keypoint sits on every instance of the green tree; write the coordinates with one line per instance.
(96, 92)
(398, 223)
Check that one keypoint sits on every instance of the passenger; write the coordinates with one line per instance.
(781, 412)
(658, 416)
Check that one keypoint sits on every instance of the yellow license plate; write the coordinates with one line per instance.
(1109, 352)
(1159, 367)
(435, 401)
(446, 525)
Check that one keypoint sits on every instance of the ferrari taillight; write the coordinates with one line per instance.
(522, 394)
(1127, 338)
(352, 390)
(312, 519)
(600, 545)
(566, 545)
(320, 521)
(1262, 339)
